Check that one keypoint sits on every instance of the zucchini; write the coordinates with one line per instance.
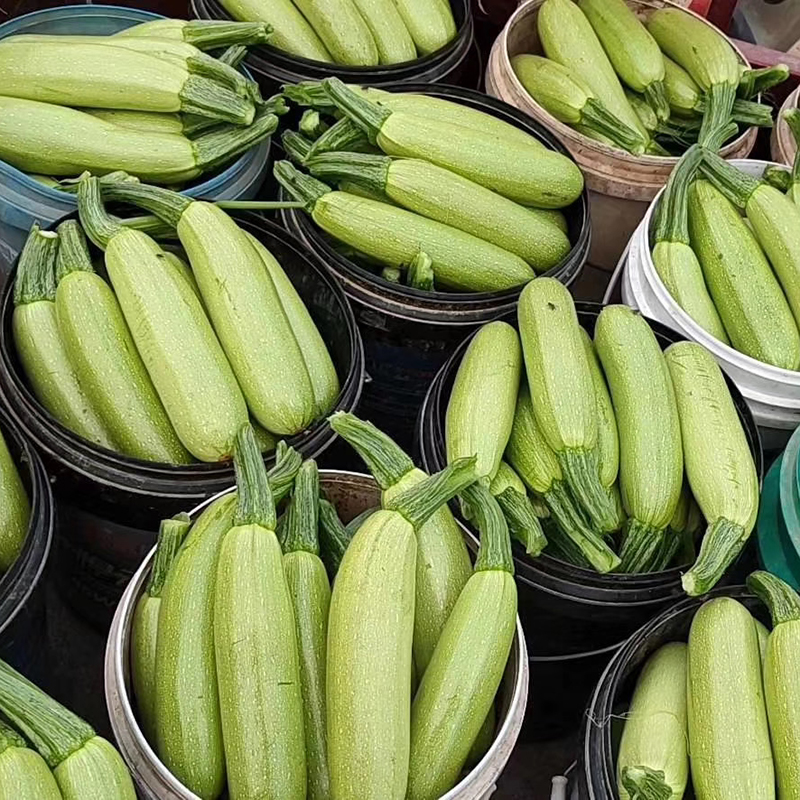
(683, 94)
(442, 562)
(24, 774)
(446, 197)
(85, 766)
(204, 34)
(144, 629)
(536, 463)
(39, 345)
(15, 509)
(755, 81)
(343, 29)
(457, 691)
(144, 121)
(420, 274)
(673, 258)
(388, 28)
(653, 746)
(651, 456)
(780, 667)
(705, 54)
(333, 537)
(311, 596)
(395, 236)
(563, 393)
(686, 525)
(632, 50)
(370, 634)
(430, 24)
(746, 293)
(186, 363)
(719, 465)
(531, 176)
(113, 375)
(255, 644)
(728, 734)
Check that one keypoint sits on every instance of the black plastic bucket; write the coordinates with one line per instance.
(459, 62)
(409, 334)
(575, 612)
(109, 504)
(23, 641)
(603, 723)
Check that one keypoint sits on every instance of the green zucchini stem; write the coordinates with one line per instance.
(384, 458)
(755, 81)
(171, 534)
(391, 274)
(333, 535)
(164, 203)
(9, 738)
(597, 117)
(642, 547)
(233, 55)
(212, 68)
(211, 34)
(299, 185)
(208, 98)
(779, 177)
(582, 472)
(98, 224)
(282, 475)
(487, 516)
(722, 543)
(308, 93)
(655, 95)
(522, 521)
(296, 146)
(792, 118)
(117, 176)
(73, 252)
(717, 139)
(672, 224)
(343, 135)
(368, 116)
(219, 146)
(747, 112)
(303, 512)
(720, 97)
(36, 271)
(560, 545)
(729, 180)
(149, 224)
(364, 169)
(312, 124)
(420, 274)
(254, 505)
(643, 783)
(256, 205)
(780, 599)
(420, 502)
(54, 730)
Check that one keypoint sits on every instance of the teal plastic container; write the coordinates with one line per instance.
(778, 526)
(24, 201)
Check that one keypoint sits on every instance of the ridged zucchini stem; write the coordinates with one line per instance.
(733, 183)
(747, 112)
(343, 135)
(673, 541)
(673, 211)
(655, 95)
(366, 169)
(642, 547)
(282, 475)
(596, 116)
(568, 518)
(420, 274)
(719, 99)
(779, 177)
(303, 513)
(308, 93)
(334, 537)
(9, 738)
(722, 543)
(164, 203)
(54, 730)
(254, 503)
(581, 469)
(560, 545)
(171, 534)
(149, 224)
(297, 147)
(421, 501)
(782, 601)
(211, 34)
(523, 523)
(73, 252)
(368, 116)
(299, 185)
(755, 81)
(643, 783)
(210, 99)
(233, 55)
(484, 511)
(215, 70)
(792, 118)
(99, 225)
(312, 124)
(717, 139)
(117, 176)
(217, 147)
(36, 271)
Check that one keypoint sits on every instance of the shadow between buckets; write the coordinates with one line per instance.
(409, 334)
(273, 67)
(109, 504)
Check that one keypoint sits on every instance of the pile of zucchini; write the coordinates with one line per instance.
(438, 195)
(727, 248)
(654, 87)
(168, 352)
(725, 705)
(285, 655)
(354, 33)
(615, 452)
(67, 760)
(147, 101)
(15, 509)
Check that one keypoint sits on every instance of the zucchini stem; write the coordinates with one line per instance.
(171, 534)
(643, 783)
(282, 475)
(523, 523)
(384, 458)
(211, 34)
(334, 537)
(485, 513)
(217, 147)
(722, 543)
(642, 547)
(73, 252)
(344, 135)
(212, 68)
(655, 95)
(597, 117)
(733, 183)
(673, 211)
(233, 55)
(36, 271)
(582, 472)
(719, 105)
(208, 98)
(99, 225)
(311, 124)
(9, 738)
(420, 274)
(254, 505)
(755, 81)
(164, 203)
(302, 520)
(365, 169)
(780, 599)
(792, 118)
(779, 177)
(295, 146)
(368, 116)
(308, 93)
(149, 224)
(299, 185)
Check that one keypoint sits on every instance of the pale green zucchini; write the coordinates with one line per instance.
(180, 267)
(39, 345)
(85, 766)
(673, 257)
(144, 629)
(442, 195)
(687, 523)
(395, 236)
(745, 291)
(334, 537)
(15, 509)
(311, 596)
(728, 733)
(24, 774)
(255, 644)
(370, 635)
(780, 666)
(651, 456)
(563, 393)
(654, 736)
(719, 464)
(202, 33)
(457, 691)
(114, 376)
(483, 741)
(763, 640)
(343, 29)
(420, 274)
(430, 24)
(392, 36)
(531, 176)
(144, 121)
(683, 94)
